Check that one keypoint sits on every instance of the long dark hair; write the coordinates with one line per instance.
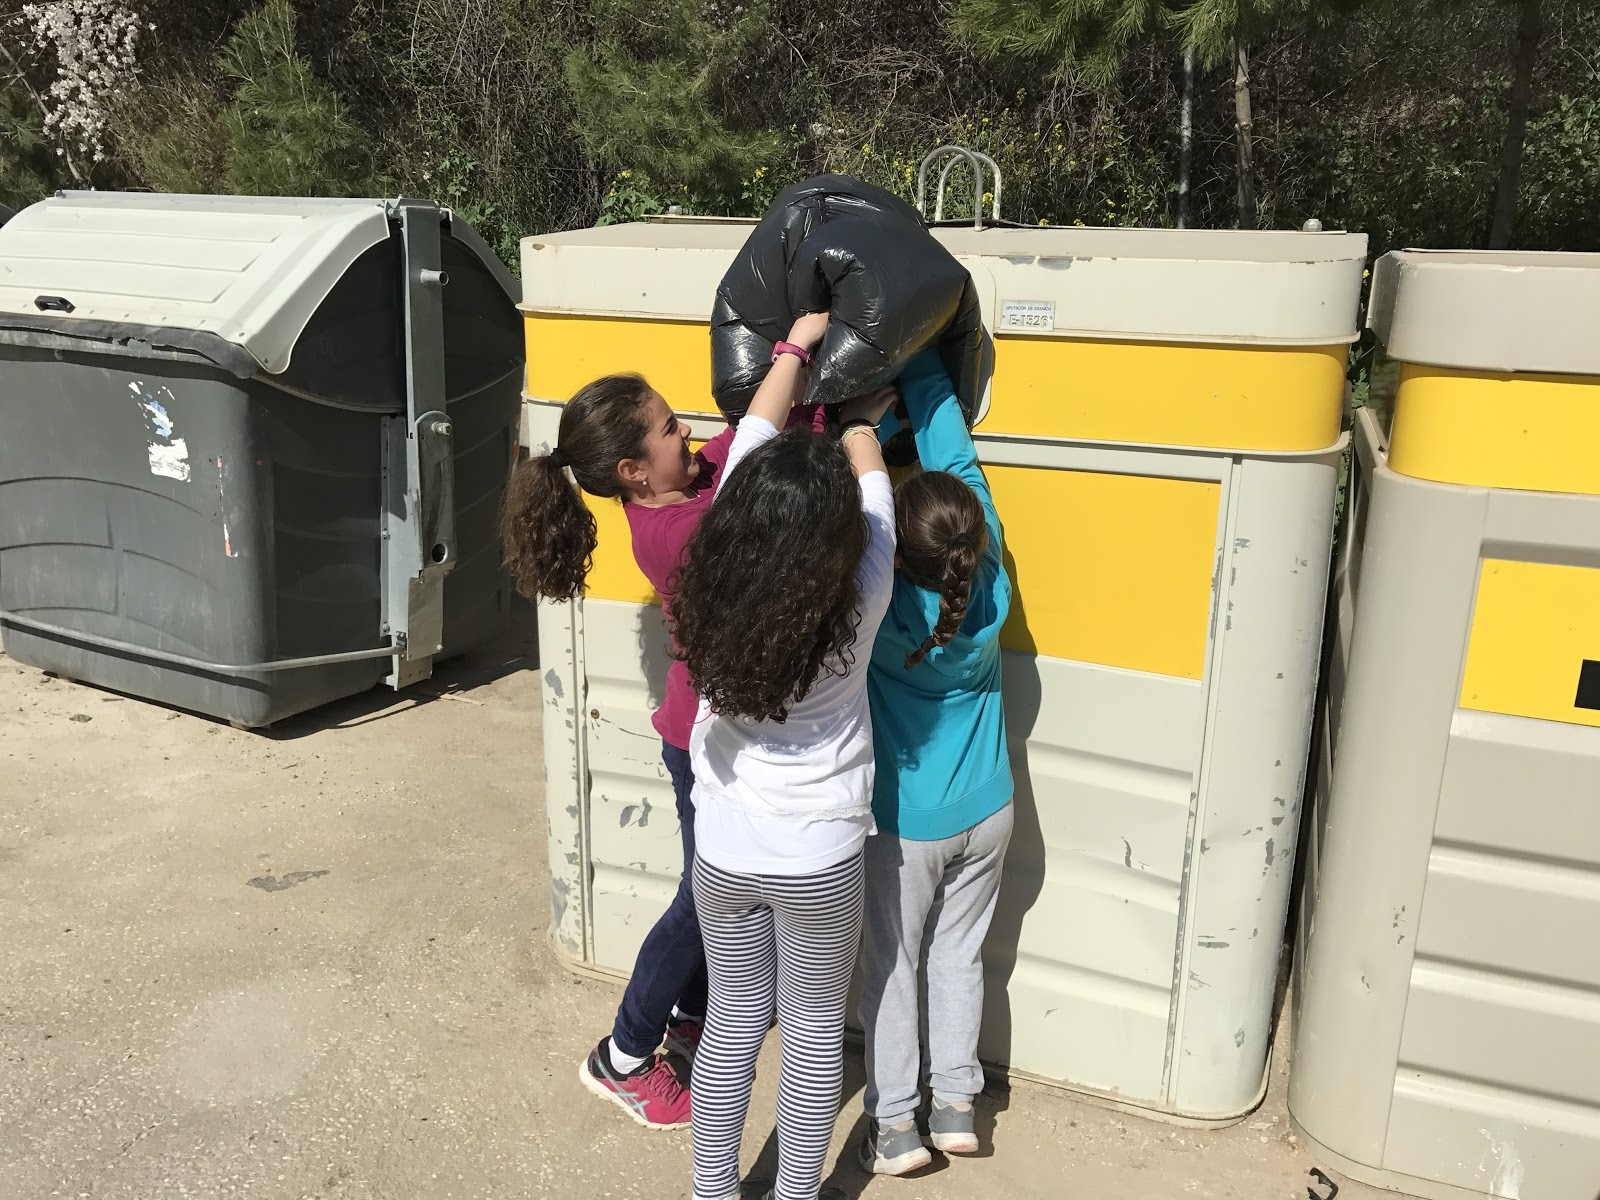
(940, 539)
(547, 533)
(766, 598)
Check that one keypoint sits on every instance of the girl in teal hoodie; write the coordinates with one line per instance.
(942, 796)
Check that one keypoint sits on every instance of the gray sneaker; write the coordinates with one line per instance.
(824, 1194)
(950, 1128)
(893, 1149)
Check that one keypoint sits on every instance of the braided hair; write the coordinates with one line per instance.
(941, 539)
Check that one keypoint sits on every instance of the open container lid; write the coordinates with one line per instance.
(1207, 286)
(1492, 311)
(248, 271)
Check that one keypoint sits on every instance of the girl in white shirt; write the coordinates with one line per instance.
(784, 585)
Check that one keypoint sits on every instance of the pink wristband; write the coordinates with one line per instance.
(790, 348)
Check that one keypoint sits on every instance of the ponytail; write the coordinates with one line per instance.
(941, 539)
(547, 533)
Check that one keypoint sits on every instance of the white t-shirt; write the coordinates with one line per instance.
(796, 797)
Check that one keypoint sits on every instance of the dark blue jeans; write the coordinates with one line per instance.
(671, 967)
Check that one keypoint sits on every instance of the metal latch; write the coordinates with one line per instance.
(419, 459)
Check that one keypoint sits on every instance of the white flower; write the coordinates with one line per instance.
(95, 44)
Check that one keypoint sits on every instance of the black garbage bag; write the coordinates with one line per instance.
(867, 257)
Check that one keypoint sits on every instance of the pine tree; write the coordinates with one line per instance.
(27, 168)
(1221, 31)
(288, 132)
(255, 121)
(658, 92)
(1092, 38)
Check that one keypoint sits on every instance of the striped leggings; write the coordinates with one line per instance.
(784, 941)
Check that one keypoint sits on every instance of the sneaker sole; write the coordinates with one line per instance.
(904, 1164)
(954, 1143)
(601, 1090)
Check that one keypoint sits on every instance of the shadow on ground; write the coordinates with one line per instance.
(516, 649)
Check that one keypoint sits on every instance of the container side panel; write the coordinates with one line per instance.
(351, 350)
(1080, 954)
(483, 334)
(1418, 571)
(477, 591)
(325, 468)
(1272, 598)
(132, 507)
(1491, 1141)
(1504, 1005)
(1522, 788)
(635, 849)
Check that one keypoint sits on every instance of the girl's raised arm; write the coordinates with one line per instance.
(779, 391)
(943, 441)
(864, 413)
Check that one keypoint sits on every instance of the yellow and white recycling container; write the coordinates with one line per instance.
(1447, 1033)
(1162, 430)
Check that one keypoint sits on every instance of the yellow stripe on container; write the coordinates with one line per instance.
(1108, 569)
(1156, 393)
(1286, 398)
(1118, 567)
(1533, 626)
(565, 352)
(1527, 432)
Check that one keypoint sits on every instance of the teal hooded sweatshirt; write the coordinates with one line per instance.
(939, 728)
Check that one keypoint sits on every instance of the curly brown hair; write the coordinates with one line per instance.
(547, 533)
(941, 538)
(766, 601)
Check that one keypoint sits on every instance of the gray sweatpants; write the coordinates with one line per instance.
(927, 902)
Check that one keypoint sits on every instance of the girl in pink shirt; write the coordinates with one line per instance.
(618, 438)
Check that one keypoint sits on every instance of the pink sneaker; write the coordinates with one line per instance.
(683, 1039)
(651, 1095)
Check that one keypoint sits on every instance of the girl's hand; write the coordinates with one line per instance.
(785, 383)
(807, 331)
(871, 406)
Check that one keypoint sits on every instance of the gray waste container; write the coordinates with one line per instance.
(251, 450)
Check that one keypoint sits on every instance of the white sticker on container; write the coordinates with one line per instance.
(169, 455)
(170, 459)
(1028, 314)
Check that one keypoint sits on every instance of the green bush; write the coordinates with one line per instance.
(28, 171)
(533, 115)
(288, 133)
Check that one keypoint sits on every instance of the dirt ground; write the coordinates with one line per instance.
(313, 963)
